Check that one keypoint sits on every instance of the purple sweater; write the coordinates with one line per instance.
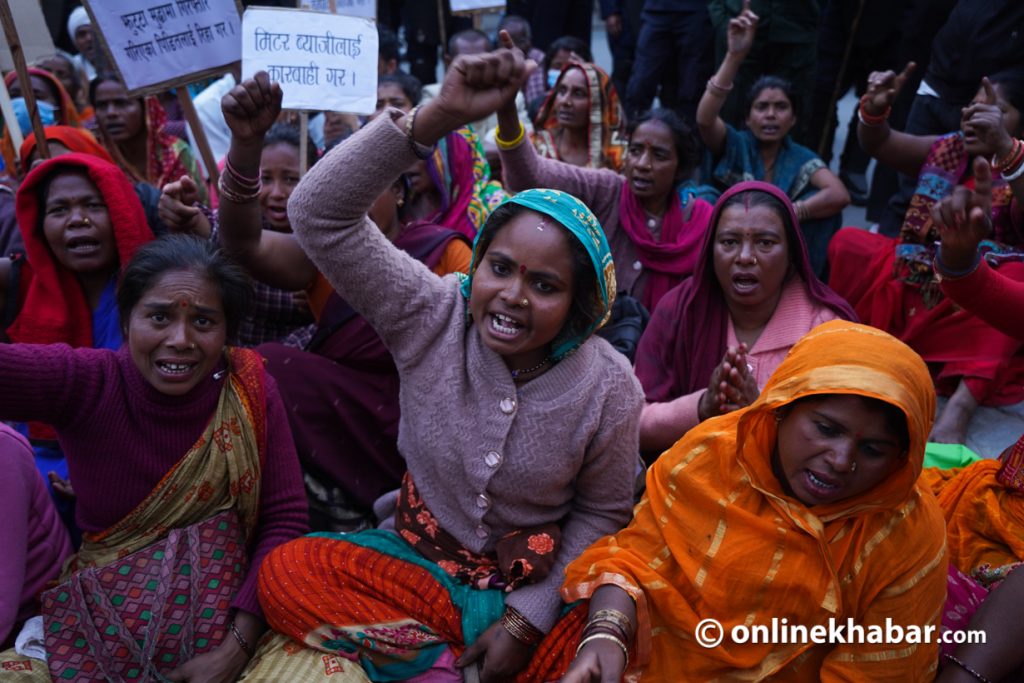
(121, 436)
(33, 540)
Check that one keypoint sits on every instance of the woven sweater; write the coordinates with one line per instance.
(488, 457)
(121, 436)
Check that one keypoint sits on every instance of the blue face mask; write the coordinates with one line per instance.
(47, 114)
(553, 75)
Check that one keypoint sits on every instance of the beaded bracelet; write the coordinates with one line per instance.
(242, 642)
(519, 628)
(410, 122)
(1017, 173)
(509, 144)
(966, 668)
(1013, 158)
(869, 119)
(605, 636)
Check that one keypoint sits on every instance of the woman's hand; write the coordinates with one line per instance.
(61, 486)
(600, 661)
(176, 208)
(503, 656)
(741, 31)
(474, 87)
(984, 120)
(731, 387)
(251, 108)
(964, 219)
(223, 664)
(884, 87)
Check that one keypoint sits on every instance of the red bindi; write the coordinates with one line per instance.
(522, 270)
(184, 304)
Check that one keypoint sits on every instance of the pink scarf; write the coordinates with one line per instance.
(673, 259)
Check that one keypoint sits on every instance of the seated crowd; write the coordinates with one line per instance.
(468, 393)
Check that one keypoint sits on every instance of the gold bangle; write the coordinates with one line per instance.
(611, 617)
(604, 636)
(509, 144)
(410, 121)
(520, 628)
(719, 89)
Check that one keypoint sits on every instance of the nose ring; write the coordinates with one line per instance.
(86, 221)
(853, 466)
(192, 346)
(524, 303)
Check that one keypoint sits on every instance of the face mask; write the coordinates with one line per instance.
(47, 114)
(553, 75)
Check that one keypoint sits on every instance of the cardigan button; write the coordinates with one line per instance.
(492, 458)
(483, 502)
(637, 265)
(507, 405)
(651, 223)
(481, 531)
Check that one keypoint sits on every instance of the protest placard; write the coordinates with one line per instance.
(353, 8)
(159, 44)
(322, 61)
(36, 43)
(476, 5)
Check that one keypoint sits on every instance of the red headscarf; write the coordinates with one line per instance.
(696, 309)
(75, 139)
(68, 111)
(53, 306)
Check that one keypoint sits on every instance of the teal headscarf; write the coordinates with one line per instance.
(583, 225)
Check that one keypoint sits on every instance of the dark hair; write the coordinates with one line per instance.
(749, 198)
(467, 34)
(175, 253)
(892, 415)
(289, 134)
(683, 137)
(569, 44)
(1011, 87)
(387, 44)
(76, 80)
(765, 82)
(585, 296)
(409, 84)
(513, 23)
(101, 78)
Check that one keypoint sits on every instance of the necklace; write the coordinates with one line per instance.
(516, 374)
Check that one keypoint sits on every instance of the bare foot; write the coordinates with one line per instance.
(951, 425)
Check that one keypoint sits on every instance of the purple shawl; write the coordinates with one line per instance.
(692, 318)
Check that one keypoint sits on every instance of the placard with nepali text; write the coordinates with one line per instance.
(322, 61)
(157, 44)
(352, 8)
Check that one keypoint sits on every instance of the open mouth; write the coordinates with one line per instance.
(820, 485)
(83, 246)
(641, 184)
(175, 368)
(744, 283)
(276, 213)
(504, 326)
(770, 130)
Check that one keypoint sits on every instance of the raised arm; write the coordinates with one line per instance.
(741, 32)
(901, 151)
(250, 109)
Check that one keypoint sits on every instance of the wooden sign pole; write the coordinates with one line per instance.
(189, 109)
(11, 32)
(8, 112)
(303, 141)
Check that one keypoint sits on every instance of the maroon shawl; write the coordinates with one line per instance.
(674, 257)
(695, 317)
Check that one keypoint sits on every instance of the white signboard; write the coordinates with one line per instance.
(353, 8)
(158, 43)
(476, 5)
(33, 35)
(322, 61)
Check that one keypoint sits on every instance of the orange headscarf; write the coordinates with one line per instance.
(717, 537)
(605, 121)
(68, 112)
(75, 139)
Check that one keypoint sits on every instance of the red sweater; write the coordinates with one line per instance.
(121, 436)
(994, 298)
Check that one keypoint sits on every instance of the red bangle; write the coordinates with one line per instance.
(872, 119)
(1011, 161)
